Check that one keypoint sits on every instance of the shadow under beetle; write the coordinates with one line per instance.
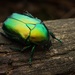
(27, 29)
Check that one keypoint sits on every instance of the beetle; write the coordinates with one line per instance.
(27, 29)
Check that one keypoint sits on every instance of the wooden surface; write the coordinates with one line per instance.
(59, 60)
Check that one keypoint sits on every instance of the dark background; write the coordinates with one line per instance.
(43, 9)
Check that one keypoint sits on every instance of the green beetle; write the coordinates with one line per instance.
(27, 29)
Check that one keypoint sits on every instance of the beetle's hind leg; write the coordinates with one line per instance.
(25, 48)
(4, 35)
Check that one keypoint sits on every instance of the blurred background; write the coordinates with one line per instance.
(43, 9)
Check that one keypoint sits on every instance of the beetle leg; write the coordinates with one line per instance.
(31, 54)
(53, 36)
(4, 35)
(26, 48)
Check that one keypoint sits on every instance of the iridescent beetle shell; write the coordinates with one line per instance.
(26, 28)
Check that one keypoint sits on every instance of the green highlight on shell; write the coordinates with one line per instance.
(25, 19)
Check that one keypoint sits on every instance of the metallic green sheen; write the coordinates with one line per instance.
(26, 27)
(25, 19)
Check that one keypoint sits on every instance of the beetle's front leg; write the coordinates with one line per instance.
(31, 54)
(53, 36)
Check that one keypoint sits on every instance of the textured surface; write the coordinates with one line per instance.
(59, 60)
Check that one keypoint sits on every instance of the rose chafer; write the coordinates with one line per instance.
(28, 30)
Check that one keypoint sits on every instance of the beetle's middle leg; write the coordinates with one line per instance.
(31, 54)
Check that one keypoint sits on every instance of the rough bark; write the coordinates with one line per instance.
(58, 60)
